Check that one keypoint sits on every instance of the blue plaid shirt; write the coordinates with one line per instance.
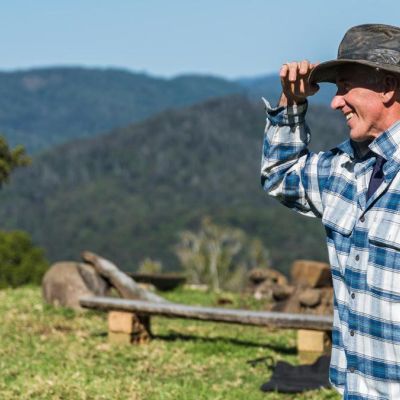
(363, 238)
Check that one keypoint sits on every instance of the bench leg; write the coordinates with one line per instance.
(312, 344)
(127, 328)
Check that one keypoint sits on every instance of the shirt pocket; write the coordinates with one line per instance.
(339, 213)
(383, 270)
(339, 219)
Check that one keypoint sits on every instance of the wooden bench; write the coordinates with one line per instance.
(129, 320)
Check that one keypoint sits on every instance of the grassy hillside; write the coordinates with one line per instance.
(126, 195)
(49, 354)
(40, 108)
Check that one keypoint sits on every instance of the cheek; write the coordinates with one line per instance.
(369, 104)
(368, 110)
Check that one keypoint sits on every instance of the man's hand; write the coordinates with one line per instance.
(295, 85)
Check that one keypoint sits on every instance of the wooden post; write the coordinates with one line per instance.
(312, 344)
(126, 328)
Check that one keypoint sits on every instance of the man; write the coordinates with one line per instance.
(355, 190)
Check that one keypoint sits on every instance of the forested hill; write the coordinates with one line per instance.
(40, 108)
(127, 194)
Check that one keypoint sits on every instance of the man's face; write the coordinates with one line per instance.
(359, 98)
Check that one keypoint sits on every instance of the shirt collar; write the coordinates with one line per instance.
(387, 144)
(354, 149)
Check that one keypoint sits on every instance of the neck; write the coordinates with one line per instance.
(389, 116)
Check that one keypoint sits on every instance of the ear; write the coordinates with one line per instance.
(391, 87)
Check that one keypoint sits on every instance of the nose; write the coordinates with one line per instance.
(337, 102)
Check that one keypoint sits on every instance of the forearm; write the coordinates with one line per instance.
(289, 171)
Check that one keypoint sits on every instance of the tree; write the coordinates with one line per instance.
(20, 261)
(217, 254)
(10, 159)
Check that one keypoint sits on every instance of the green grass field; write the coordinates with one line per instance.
(53, 353)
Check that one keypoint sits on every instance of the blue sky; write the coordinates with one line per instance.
(170, 37)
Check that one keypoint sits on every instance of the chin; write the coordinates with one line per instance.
(361, 138)
(356, 137)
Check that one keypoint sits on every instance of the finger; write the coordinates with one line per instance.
(283, 71)
(304, 67)
(301, 88)
(296, 88)
(293, 71)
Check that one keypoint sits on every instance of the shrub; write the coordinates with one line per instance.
(149, 266)
(219, 256)
(21, 262)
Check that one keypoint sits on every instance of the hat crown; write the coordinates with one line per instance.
(371, 45)
(371, 42)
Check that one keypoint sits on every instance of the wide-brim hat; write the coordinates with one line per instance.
(373, 45)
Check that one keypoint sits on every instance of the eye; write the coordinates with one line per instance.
(347, 86)
(343, 87)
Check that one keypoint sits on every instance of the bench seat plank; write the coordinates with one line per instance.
(235, 316)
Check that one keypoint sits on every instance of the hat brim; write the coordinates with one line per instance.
(327, 71)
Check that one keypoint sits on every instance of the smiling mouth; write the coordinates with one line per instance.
(349, 116)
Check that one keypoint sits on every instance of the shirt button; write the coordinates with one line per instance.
(353, 295)
(351, 369)
(352, 333)
(362, 219)
(357, 257)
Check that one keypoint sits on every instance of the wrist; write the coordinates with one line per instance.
(290, 101)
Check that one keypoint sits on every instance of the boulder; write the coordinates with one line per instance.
(327, 296)
(260, 275)
(326, 306)
(310, 297)
(66, 282)
(289, 305)
(312, 274)
(282, 292)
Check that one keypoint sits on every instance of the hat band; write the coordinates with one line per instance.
(379, 56)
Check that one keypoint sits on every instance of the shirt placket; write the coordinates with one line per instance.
(358, 260)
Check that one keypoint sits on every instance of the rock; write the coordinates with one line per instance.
(282, 292)
(327, 296)
(308, 301)
(312, 274)
(262, 291)
(66, 282)
(326, 306)
(310, 297)
(263, 280)
(290, 305)
(258, 275)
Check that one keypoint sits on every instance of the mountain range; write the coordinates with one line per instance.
(44, 107)
(128, 193)
(41, 108)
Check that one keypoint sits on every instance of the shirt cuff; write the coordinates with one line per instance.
(282, 116)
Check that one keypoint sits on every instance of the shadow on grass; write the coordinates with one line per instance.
(175, 336)
(171, 337)
(99, 334)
